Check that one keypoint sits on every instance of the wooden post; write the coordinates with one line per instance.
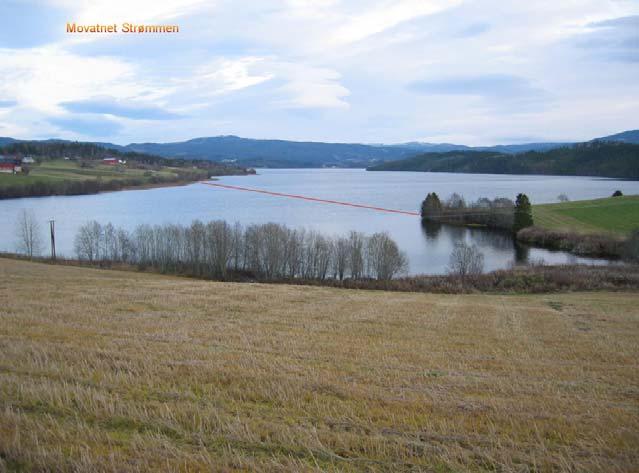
(52, 224)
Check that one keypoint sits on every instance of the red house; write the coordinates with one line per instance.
(10, 166)
(110, 161)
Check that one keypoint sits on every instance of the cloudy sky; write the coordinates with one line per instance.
(476, 72)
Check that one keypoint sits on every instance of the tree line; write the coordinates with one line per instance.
(48, 187)
(595, 158)
(499, 213)
(43, 150)
(219, 250)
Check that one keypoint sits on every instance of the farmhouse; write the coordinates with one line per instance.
(110, 161)
(10, 166)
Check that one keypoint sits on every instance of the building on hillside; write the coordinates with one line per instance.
(110, 161)
(10, 165)
(28, 160)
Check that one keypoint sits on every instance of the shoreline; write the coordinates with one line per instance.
(543, 279)
(145, 186)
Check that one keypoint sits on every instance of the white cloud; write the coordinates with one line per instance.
(312, 87)
(41, 78)
(387, 15)
(110, 11)
(334, 69)
(227, 75)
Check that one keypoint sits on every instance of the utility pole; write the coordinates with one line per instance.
(52, 225)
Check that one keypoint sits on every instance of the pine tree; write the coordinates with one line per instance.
(431, 206)
(523, 213)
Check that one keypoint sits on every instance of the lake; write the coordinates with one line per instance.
(428, 249)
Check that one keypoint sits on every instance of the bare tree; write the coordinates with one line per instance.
(465, 260)
(269, 251)
(356, 242)
(89, 241)
(340, 257)
(29, 234)
(383, 258)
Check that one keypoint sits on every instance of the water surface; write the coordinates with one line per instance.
(428, 249)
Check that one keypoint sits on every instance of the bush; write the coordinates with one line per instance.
(595, 245)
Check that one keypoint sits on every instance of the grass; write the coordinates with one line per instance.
(121, 371)
(62, 170)
(615, 215)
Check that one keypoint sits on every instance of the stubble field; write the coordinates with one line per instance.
(121, 371)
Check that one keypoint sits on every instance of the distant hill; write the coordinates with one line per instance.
(6, 141)
(508, 149)
(595, 158)
(631, 136)
(274, 153)
(306, 154)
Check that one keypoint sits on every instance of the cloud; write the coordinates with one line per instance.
(110, 11)
(226, 75)
(28, 23)
(322, 69)
(88, 126)
(8, 103)
(119, 108)
(42, 77)
(474, 29)
(374, 20)
(311, 87)
(615, 39)
(489, 86)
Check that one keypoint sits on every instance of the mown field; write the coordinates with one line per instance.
(617, 215)
(121, 371)
(61, 170)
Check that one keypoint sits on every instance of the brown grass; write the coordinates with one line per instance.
(120, 371)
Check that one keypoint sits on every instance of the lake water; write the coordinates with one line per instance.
(428, 250)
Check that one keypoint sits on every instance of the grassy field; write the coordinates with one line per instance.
(121, 371)
(61, 170)
(617, 215)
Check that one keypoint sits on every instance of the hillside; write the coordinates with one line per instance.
(274, 153)
(100, 370)
(617, 215)
(72, 168)
(597, 158)
(298, 154)
(630, 136)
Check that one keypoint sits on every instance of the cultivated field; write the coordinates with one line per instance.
(617, 215)
(61, 170)
(122, 371)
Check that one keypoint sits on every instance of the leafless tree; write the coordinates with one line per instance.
(340, 258)
(269, 251)
(89, 241)
(29, 234)
(383, 258)
(466, 260)
(356, 242)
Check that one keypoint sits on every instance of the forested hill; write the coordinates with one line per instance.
(595, 158)
(58, 149)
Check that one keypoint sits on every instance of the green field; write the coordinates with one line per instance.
(60, 170)
(616, 215)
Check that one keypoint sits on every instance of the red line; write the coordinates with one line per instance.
(314, 199)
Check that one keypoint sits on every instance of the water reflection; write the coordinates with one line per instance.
(501, 249)
(428, 247)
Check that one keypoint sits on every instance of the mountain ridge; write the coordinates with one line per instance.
(286, 153)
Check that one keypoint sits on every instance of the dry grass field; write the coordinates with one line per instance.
(121, 371)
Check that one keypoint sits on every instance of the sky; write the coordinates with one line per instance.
(475, 72)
